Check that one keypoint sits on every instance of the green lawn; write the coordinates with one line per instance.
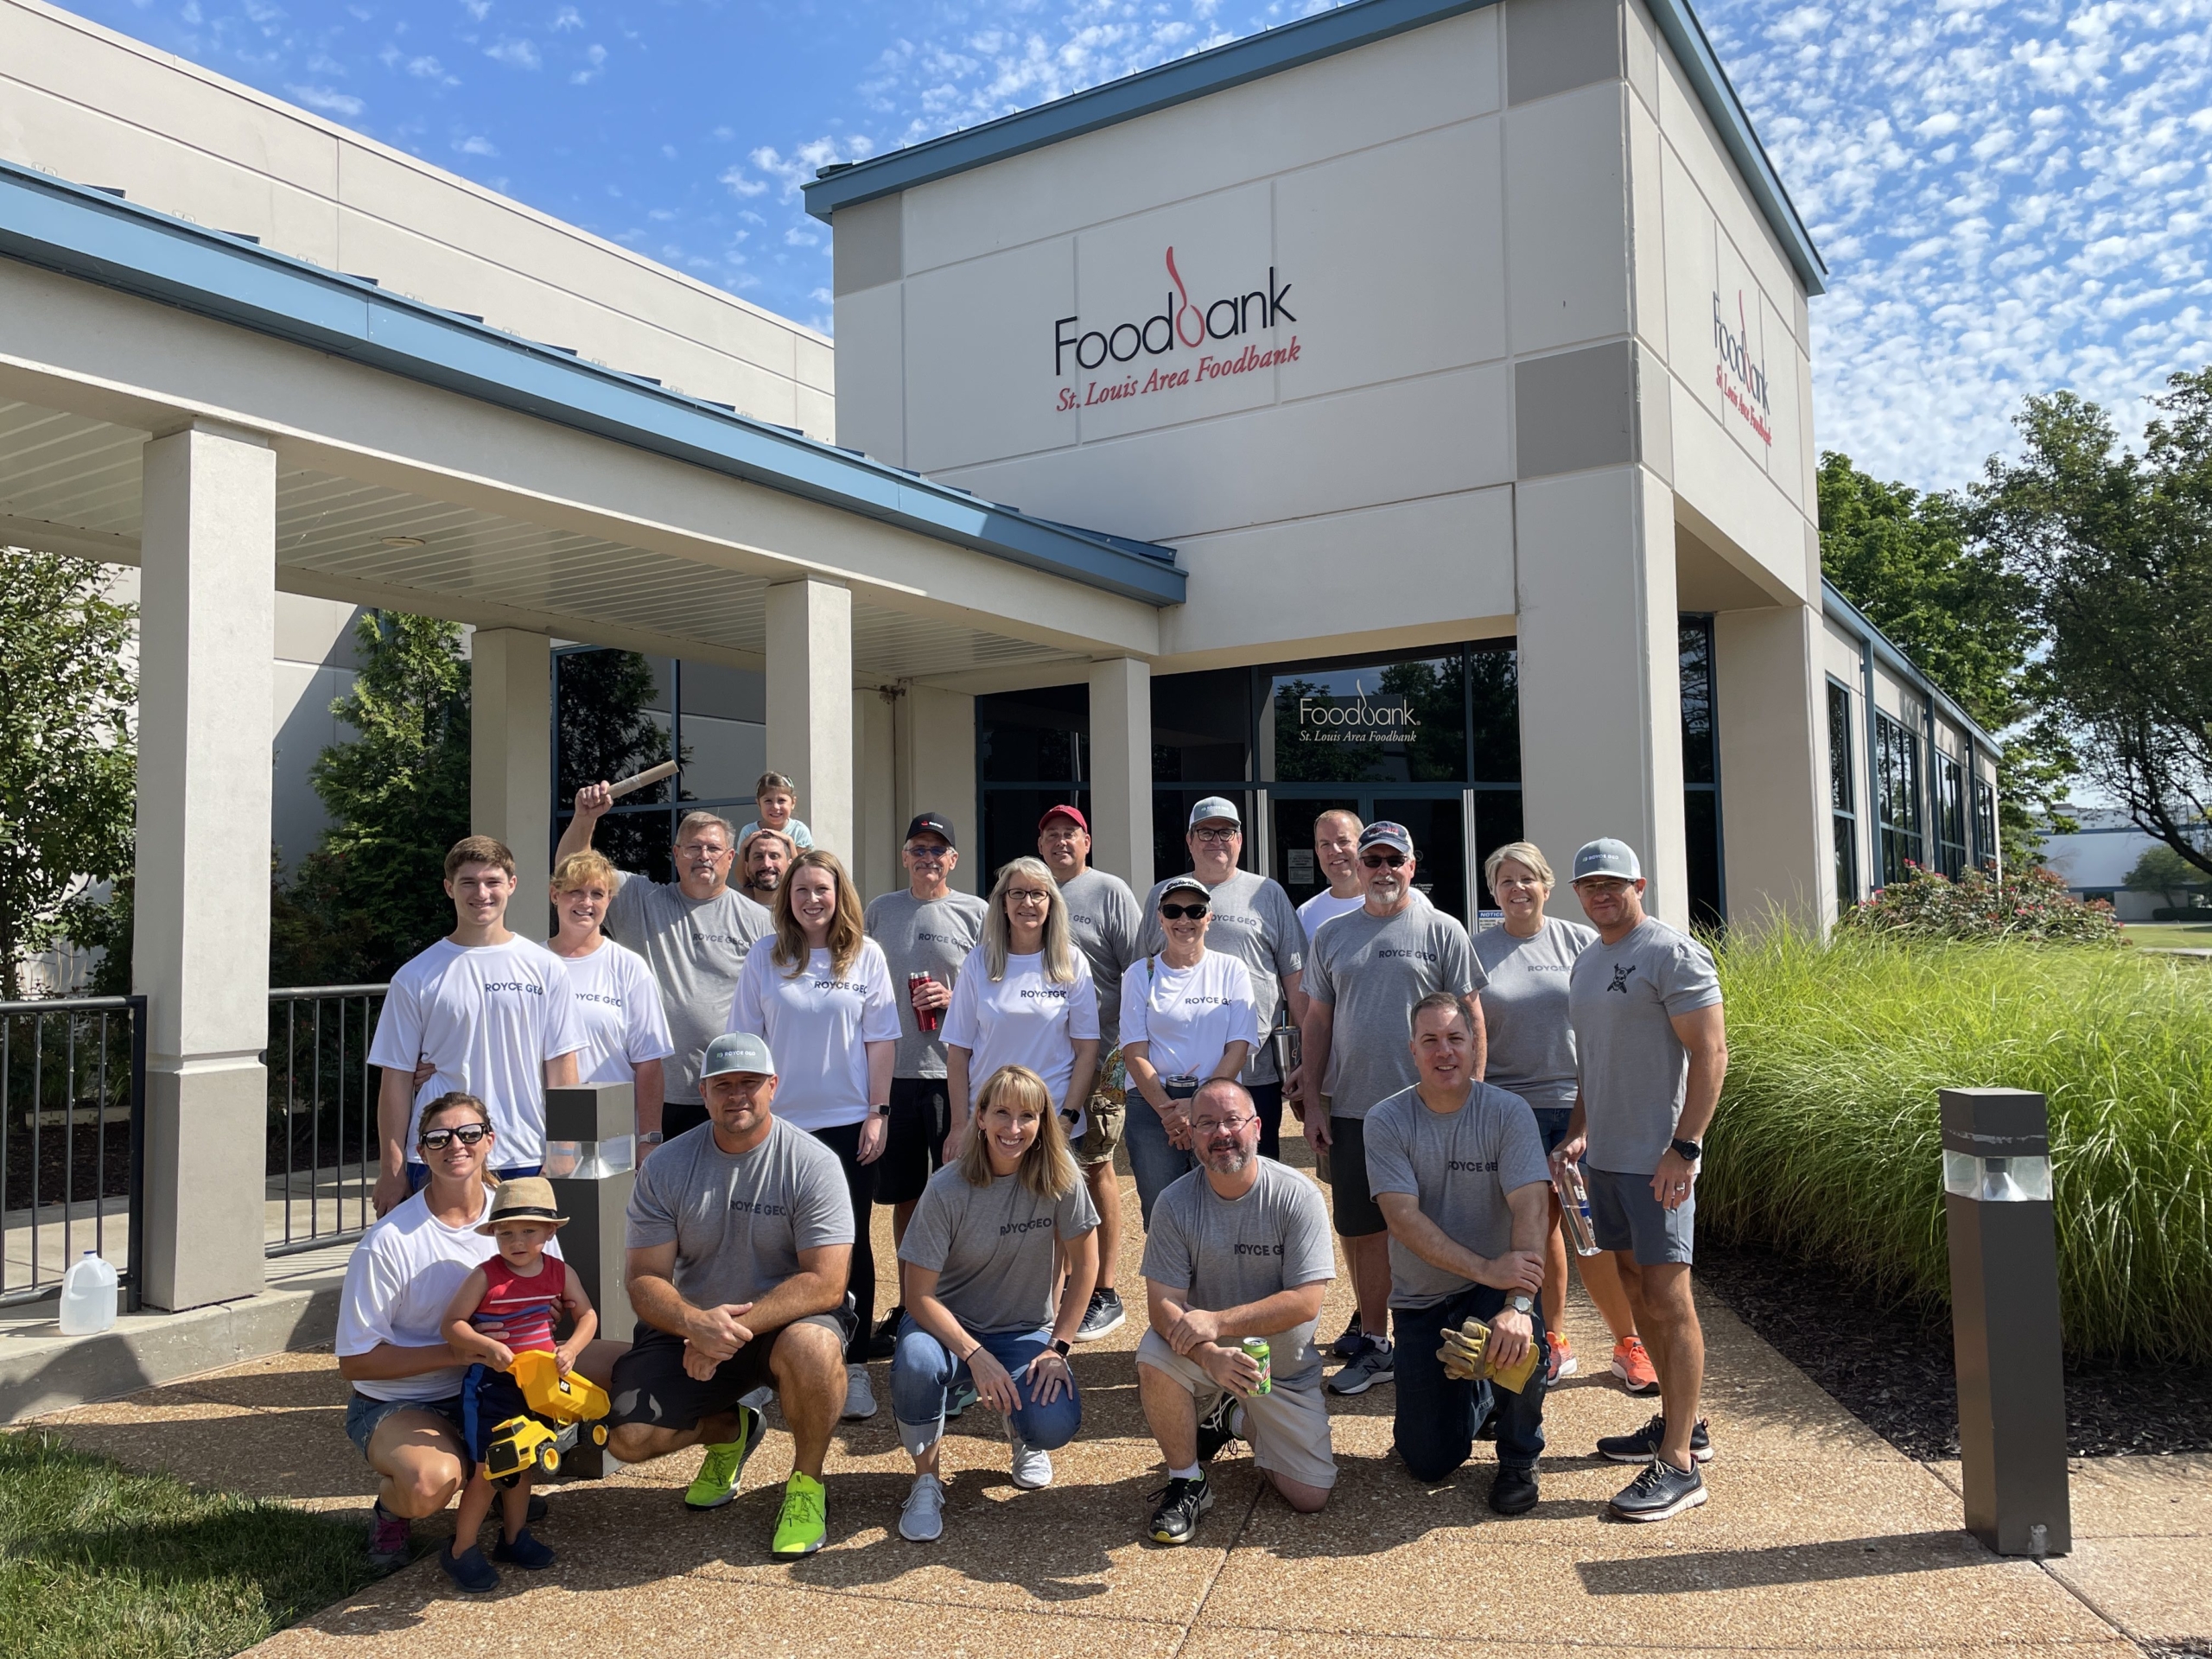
(98, 1560)
(2190, 935)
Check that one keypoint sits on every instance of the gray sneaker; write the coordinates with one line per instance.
(1376, 1362)
(1661, 1491)
(922, 1519)
(1104, 1314)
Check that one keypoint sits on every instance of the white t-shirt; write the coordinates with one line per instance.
(488, 1017)
(1022, 1020)
(818, 1024)
(1188, 1017)
(1325, 906)
(618, 1013)
(402, 1273)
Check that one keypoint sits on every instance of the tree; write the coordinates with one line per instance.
(2166, 873)
(68, 763)
(369, 896)
(605, 730)
(1914, 564)
(2117, 549)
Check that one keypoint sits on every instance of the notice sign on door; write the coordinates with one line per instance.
(1383, 723)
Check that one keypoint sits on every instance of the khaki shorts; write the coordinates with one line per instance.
(1288, 1427)
(1102, 1134)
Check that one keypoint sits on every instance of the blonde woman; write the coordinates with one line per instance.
(1532, 1055)
(986, 1305)
(1023, 997)
(617, 1003)
(818, 990)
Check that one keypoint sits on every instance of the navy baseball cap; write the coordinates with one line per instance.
(1383, 833)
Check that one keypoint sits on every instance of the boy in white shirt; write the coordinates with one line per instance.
(489, 1012)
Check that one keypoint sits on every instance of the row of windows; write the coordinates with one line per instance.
(1965, 805)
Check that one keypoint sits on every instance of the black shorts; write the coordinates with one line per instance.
(678, 1115)
(1357, 1214)
(914, 1140)
(651, 1386)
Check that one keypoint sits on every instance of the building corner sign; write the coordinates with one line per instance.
(1219, 332)
(1366, 720)
(1742, 382)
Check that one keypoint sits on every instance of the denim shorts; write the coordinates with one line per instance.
(1551, 1124)
(362, 1415)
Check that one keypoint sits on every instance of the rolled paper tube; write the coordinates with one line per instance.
(643, 779)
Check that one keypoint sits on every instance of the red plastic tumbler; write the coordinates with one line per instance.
(924, 1018)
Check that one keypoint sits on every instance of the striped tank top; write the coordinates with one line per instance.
(528, 1306)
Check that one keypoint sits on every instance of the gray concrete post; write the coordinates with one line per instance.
(206, 633)
(810, 704)
(2004, 1319)
(510, 760)
(590, 1157)
(1120, 769)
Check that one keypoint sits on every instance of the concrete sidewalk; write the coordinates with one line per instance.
(1818, 1536)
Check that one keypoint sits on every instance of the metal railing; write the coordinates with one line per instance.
(323, 1116)
(73, 1117)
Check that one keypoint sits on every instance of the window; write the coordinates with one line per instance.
(1985, 824)
(1950, 816)
(1843, 814)
(1701, 773)
(1032, 751)
(1896, 796)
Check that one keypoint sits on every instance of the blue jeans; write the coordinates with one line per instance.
(1437, 1415)
(1155, 1164)
(923, 1375)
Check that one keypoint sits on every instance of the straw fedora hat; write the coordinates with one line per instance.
(527, 1197)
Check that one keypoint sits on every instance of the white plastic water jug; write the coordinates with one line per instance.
(87, 1296)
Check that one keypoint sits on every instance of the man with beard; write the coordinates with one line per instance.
(761, 863)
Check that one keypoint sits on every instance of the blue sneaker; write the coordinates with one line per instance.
(469, 1570)
(1347, 1346)
(523, 1551)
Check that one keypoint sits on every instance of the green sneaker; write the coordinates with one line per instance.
(805, 1521)
(717, 1481)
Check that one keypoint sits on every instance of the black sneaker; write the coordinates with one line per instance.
(1513, 1492)
(883, 1341)
(1348, 1345)
(1643, 1445)
(1214, 1432)
(1182, 1503)
(1104, 1314)
(1660, 1491)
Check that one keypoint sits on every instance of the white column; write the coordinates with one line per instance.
(939, 746)
(1770, 710)
(207, 634)
(510, 755)
(1120, 769)
(810, 705)
(1600, 670)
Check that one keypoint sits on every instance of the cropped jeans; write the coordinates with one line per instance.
(1155, 1164)
(924, 1374)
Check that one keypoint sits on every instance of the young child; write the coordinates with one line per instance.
(777, 798)
(516, 1297)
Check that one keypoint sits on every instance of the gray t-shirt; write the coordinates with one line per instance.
(1524, 1008)
(1254, 922)
(1372, 969)
(1217, 1252)
(695, 948)
(1104, 916)
(1633, 1069)
(739, 1222)
(992, 1248)
(1458, 1166)
(923, 935)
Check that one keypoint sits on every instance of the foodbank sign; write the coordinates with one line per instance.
(1363, 720)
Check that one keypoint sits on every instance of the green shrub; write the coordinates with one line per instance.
(2034, 905)
(1826, 1143)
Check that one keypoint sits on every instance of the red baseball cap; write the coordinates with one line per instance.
(1082, 822)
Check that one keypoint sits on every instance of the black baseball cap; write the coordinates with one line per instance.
(932, 824)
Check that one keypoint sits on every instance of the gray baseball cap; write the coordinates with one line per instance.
(1608, 857)
(1215, 806)
(737, 1051)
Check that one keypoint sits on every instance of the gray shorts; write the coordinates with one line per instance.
(1624, 1216)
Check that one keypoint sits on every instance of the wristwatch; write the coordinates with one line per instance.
(1688, 1150)
(1060, 1346)
(651, 1138)
(883, 1110)
(1521, 1304)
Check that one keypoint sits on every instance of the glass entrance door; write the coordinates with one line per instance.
(1435, 818)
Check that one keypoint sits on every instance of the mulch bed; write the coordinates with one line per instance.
(1891, 1365)
(44, 1174)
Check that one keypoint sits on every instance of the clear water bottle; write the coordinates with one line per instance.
(87, 1296)
(1574, 1209)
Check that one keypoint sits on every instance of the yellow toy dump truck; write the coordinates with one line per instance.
(561, 1410)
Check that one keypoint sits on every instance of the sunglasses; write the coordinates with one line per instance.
(1377, 861)
(468, 1134)
(1177, 913)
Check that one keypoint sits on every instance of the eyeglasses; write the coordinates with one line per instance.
(1177, 913)
(1221, 1125)
(1217, 836)
(1377, 861)
(468, 1134)
(703, 850)
(1027, 896)
(925, 852)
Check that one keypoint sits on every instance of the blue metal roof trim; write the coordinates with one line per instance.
(1885, 650)
(88, 234)
(1359, 23)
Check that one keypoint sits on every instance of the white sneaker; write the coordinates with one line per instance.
(1032, 1468)
(921, 1520)
(860, 1399)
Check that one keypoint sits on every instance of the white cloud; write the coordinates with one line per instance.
(735, 178)
(567, 18)
(478, 9)
(595, 66)
(476, 144)
(516, 54)
(328, 99)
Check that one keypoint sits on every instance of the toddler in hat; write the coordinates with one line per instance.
(509, 1305)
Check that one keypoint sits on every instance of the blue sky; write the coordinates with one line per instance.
(2013, 195)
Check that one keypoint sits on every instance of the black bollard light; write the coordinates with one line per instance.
(591, 1159)
(2004, 1319)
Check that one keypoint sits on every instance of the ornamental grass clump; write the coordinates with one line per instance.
(1826, 1145)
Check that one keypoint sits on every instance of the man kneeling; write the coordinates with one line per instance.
(1238, 1249)
(741, 1234)
(1459, 1169)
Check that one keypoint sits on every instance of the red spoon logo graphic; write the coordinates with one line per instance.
(1185, 309)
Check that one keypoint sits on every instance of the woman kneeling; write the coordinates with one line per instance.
(979, 1266)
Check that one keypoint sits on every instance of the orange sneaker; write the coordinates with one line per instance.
(1633, 1366)
(1562, 1362)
